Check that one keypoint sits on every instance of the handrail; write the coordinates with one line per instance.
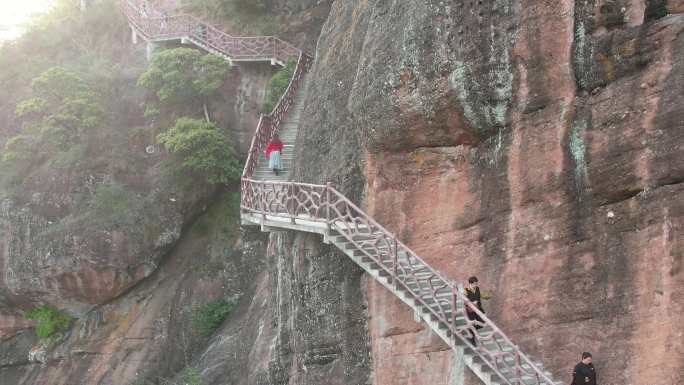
(153, 24)
(326, 205)
(269, 124)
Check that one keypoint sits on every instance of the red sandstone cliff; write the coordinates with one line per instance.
(537, 144)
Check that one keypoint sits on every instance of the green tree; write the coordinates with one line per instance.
(57, 116)
(182, 75)
(63, 108)
(201, 147)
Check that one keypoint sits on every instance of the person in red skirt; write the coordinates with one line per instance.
(273, 153)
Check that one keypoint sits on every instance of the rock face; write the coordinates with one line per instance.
(306, 325)
(147, 334)
(53, 247)
(535, 144)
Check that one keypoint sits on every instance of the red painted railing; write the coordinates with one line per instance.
(154, 25)
(441, 297)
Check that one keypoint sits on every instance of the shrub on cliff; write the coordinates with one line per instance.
(201, 147)
(278, 85)
(63, 108)
(191, 376)
(60, 112)
(181, 76)
(115, 206)
(49, 320)
(208, 317)
(250, 16)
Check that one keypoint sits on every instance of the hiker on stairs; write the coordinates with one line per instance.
(475, 296)
(273, 153)
(584, 373)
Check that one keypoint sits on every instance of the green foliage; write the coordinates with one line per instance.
(278, 85)
(16, 159)
(250, 16)
(113, 206)
(49, 320)
(181, 75)
(61, 109)
(223, 217)
(58, 75)
(201, 147)
(191, 376)
(75, 156)
(208, 317)
(151, 111)
(18, 148)
(655, 9)
(88, 44)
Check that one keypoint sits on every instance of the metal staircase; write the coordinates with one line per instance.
(274, 203)
(438, 301)
(287, 135)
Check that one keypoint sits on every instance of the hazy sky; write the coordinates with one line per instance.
(13, 13)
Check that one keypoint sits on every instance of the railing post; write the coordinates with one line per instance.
(292, 202)
(263, 204)
(327, 205)
(518, 379)
(275, 50)
(395, 261)
(454, 307)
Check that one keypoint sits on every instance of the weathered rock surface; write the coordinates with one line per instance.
(147, 334)
(52, 246)
(306, 324)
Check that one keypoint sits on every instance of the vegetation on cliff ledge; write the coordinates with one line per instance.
(200, 147)
(208, 317)
(49, 320)
(278, 85)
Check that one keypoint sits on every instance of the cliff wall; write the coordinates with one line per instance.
(535, 144)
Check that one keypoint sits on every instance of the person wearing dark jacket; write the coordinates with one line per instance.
(475, 296)
(584, 372)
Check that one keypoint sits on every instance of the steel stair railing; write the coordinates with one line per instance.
(437, 295)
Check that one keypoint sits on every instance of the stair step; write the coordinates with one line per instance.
(355, 237)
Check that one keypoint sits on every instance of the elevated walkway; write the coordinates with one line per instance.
(156, 27)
